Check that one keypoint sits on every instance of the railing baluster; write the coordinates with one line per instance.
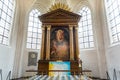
(108, 77)
(114, 75)
(1, 73)
(118, 74)
(9, 75)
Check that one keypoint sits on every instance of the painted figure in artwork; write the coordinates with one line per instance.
(59, 45)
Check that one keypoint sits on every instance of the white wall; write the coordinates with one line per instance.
(25, 63)
(24, 60)
(99, 57)
(22, 6)
(6, 60)
(112, 50)
(113, 59)
(99, 38)
(90, 61)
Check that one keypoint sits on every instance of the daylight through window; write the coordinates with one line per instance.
(34, 30)
(85, 31)
(113, 16)
(6, 20)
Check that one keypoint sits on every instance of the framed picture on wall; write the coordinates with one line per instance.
(32, 58)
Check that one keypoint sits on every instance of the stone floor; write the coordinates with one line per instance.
(64, 77)
(60, 77)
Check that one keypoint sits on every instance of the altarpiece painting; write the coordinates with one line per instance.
(59, 43)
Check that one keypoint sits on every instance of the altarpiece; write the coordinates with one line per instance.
(59, 41)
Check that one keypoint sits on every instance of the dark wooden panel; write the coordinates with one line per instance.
(43, 67)
(75, 69)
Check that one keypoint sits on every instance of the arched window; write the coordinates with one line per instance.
(85, 32)
(113, 18)
(6, 19)
(34, 30)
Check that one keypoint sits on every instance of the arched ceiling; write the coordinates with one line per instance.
(44, 5)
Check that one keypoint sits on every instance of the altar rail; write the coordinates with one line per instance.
(86, 72)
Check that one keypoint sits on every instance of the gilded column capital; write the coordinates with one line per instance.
(76, 28)
(43, 28)
(75, 25)
(48, 27)
(71, 27)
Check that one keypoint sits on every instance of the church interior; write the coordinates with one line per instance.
(60, 39)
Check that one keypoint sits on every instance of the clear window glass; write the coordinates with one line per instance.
(34, 30)
(6, 20)
(113, 17)
(85, 31)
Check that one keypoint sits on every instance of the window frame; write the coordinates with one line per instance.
(88, 29)
(34, 30)
(108, 12)
(8, 23)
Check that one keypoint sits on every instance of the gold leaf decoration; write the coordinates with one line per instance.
(59, 5)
